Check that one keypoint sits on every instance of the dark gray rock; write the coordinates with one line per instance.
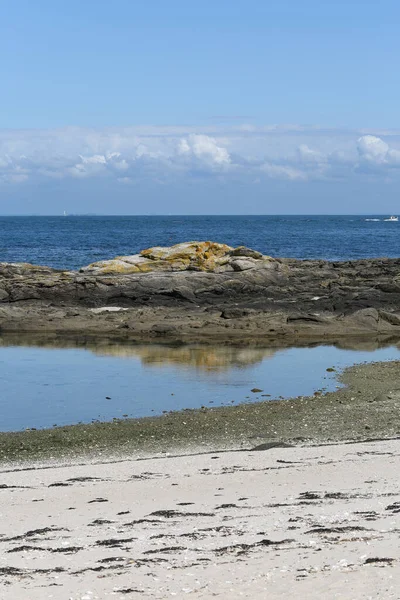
(243, 264)
(282, 297)
(392, 318)
(234, 313)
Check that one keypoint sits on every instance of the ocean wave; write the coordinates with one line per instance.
(372, 219)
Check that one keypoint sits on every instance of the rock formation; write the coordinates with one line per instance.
(204, 290)
(188, 256)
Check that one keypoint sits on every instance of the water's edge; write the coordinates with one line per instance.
(366, 408)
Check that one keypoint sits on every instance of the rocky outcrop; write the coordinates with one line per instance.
(188, 256)
(205, 289)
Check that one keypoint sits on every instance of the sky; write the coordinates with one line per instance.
(199, 107)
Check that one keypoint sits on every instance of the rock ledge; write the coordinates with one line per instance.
(205, 290)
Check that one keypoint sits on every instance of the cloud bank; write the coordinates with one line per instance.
(169, 154)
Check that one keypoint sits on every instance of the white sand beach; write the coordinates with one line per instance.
(304, 523)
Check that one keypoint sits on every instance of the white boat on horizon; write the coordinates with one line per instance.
(392, 219)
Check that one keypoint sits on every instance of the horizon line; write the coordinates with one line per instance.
(63, 216)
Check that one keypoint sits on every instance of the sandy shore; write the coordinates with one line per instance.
(310, 522)
(279, 499)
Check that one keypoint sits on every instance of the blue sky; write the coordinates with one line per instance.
(213, 106)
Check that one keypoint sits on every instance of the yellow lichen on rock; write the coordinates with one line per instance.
(188, 256)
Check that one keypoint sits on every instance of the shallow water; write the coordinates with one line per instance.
(46, 386)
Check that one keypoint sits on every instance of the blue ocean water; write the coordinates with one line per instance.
(74, 241)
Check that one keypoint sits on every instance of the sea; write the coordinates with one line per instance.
(70, 242)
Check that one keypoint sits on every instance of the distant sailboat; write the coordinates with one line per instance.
(65, 213)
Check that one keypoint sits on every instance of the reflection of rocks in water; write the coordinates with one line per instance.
(202, 357)
(207, 358)
(367, 344)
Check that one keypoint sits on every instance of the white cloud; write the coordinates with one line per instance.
(377, 156)
(204, 148)
(121, 165)
(95, 159)
(308, 155)
(281, 172)
(372, 148)
(164, 154)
